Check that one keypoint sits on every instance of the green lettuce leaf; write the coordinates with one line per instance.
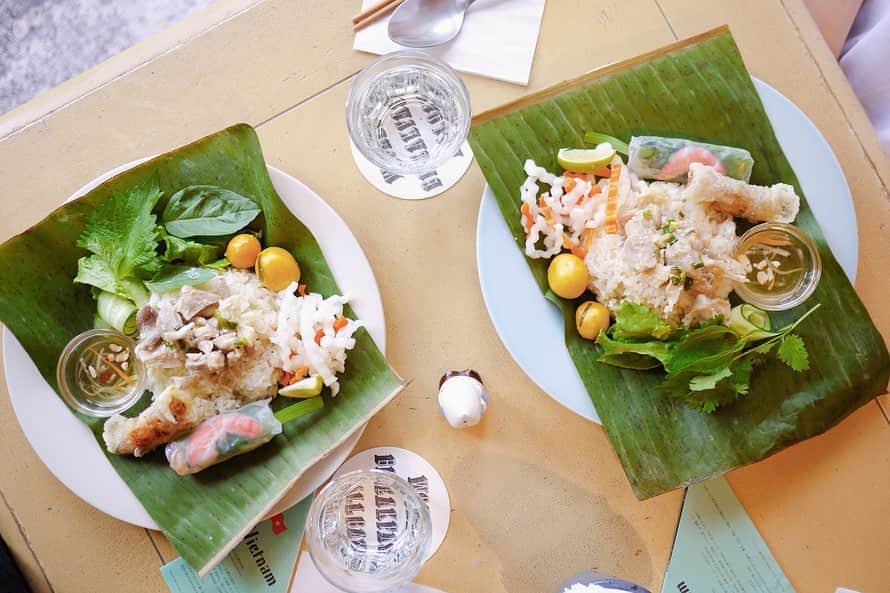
(634, 321)
(634, 355)
(189, 251)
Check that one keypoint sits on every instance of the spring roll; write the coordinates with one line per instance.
(222, 437)
(775, 203)
(668, 159)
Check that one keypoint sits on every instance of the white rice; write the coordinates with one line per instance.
(245, 302)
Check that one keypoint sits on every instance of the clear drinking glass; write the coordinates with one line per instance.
(408, 113)
(368, 531)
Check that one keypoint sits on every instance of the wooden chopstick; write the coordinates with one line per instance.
(366, 17)
(371, 10)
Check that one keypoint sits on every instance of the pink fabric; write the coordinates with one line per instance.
(865, 60)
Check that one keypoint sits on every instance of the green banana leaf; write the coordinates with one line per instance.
(699, 89)
(207, 514)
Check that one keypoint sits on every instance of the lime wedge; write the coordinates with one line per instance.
(585, 160)
(308, 387)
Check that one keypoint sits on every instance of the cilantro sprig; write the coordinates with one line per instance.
(707, 367)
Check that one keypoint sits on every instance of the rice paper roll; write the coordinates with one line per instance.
(668, 159)
(222, 437)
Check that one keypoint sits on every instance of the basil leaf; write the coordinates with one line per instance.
(207, 210)
(173, 277)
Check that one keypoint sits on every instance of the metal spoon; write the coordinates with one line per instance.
(425, 23)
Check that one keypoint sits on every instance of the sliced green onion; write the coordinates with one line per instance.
(299, 409)
(117, 312)
(598, 138)
(678, 276)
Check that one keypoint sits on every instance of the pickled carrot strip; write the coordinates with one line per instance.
(525, 209)
(612, 201)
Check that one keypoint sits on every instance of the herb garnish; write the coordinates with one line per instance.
(708, 366)
(121, 235)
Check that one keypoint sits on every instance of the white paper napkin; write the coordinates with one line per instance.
(498, 39)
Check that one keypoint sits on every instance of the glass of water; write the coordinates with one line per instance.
(368, 531)
(408, 113)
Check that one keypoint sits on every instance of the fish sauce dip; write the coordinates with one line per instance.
(99, 374)
(782, 266)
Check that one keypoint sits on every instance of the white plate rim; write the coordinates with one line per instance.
(351, 270)
(818, 171)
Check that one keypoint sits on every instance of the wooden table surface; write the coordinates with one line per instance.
(284, 66)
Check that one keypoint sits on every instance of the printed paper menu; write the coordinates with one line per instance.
(718, 549)
(262, 563)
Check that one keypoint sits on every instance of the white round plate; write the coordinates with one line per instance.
(67, 446)
(537, 342)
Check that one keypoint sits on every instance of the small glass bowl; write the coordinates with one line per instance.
(802, 290)
(74, 370)
(408, 113)
(368, 531)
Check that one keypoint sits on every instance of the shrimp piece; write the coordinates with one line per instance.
(201, 448)
(678, 163)
(222, 437)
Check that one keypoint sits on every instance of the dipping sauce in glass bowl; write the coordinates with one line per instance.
(99, 373)
(782, 266)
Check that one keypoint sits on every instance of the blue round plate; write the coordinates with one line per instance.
(537, 344)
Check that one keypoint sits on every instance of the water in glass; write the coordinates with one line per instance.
(368, 531)
(408, 113)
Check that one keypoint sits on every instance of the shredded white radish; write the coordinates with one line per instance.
(299, 320)
(571, 212)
